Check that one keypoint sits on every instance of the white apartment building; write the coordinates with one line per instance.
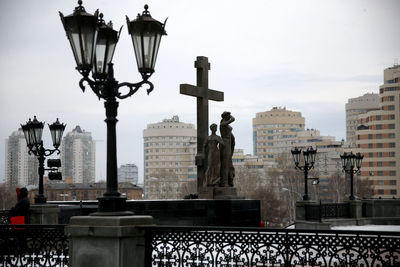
(21, 169)
(128, 173)
(78, 156)
(354, 107)
(270, 128)
(169, 158)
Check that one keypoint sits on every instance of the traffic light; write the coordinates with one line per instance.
(55, 176)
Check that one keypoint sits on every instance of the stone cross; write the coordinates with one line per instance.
(203, 94)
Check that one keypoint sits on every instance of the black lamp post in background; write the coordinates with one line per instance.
(309, 160)
(93, 43)
(351, 163)
(33, 130)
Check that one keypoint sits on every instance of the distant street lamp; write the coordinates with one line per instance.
(93, 43)
(309, 160)
(33, 130)
(351, 163)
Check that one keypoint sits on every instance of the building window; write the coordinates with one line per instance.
(393, 192)
(381, 182)
(370, 145)
(381, 191)
(393, 182)
(378, 117)
(379, 126)
(371, 164)
(379, 136)
(392, 154)
(379, 145)
(379, 173)
(379, 154)
(392, 163)
(392, 135)
(391, 126)
(392, 144)
(369, 136)
(392, 173)
(370, 155)
(379, 163)
(391, 117)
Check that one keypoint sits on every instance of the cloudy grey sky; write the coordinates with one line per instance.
(307, 55)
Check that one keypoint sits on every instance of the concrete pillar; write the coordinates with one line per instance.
(355, 209)
(44, 214)
(104, 241)
(301, 209)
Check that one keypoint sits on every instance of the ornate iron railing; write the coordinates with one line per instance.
(33, 245)
(4, 217)
(206, 246)
(327, 211)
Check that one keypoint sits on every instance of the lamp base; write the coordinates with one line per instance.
(112, 204)
(40, 199)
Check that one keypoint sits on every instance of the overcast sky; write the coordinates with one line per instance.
(307, 56)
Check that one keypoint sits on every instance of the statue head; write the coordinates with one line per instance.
(226, 115)
(213, 127)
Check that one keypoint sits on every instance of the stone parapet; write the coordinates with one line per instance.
(104, 241)
(44, 214)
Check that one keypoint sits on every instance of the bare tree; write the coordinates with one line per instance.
(363, 188)
(273, 209)
(8, 197)
(248, 180)
(259, 184)
(337, 187)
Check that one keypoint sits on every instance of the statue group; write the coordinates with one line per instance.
(219, 151)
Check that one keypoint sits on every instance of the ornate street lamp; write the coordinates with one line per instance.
(93, 43)
(33, 130)
(351, 163)
(309, 161)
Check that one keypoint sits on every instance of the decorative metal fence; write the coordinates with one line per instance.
(207, 246)
(327, 211)
(4, 217)
(33, 245)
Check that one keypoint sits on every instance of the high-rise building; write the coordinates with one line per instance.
(21, 169)
(169, 159)
(128, 173)
(273, 127)
(78, 156)
(355, 107)
(378, 138)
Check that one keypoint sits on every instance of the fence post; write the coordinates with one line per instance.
(104, 241)
(320, 210)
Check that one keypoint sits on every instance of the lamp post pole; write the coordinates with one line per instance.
(93, 49)
(309, 160)
(351, 197)
(306, 168)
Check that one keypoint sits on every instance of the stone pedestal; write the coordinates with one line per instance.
(104, 241)
(301, 208)
(206, 193)
(44, 214)
(219, 193)
(355, 209)
(225, 193)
